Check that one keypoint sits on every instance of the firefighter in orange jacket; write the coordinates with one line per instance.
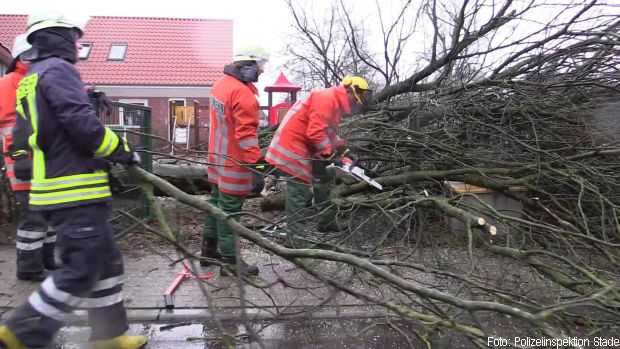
(233, 150)
(35, 244)
(308, 133)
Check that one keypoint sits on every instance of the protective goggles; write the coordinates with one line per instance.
(362, 96)
(262, 63)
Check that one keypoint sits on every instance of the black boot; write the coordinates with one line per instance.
(209, 250)
(32, 276)
(230, 268)
(49, 261)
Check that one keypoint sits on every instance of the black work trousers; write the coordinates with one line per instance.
(89, 278)
(35, 239)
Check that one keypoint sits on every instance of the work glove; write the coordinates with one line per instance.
(23, 165)
(100, 100)
(116, 186)
(258, 183)
(124, 154)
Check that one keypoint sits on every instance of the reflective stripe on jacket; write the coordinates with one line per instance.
(65, 137)
(232, 137)
(308, 130)
(8, 88)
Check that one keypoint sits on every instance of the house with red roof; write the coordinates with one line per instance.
(162, 63)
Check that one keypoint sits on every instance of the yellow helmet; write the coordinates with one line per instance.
(360, 89)
(360, 82)
(49, 19)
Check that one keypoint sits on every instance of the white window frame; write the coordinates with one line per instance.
(117, 44)
(90, 48)
(121, 114)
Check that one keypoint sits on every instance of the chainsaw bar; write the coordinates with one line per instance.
(356, 172)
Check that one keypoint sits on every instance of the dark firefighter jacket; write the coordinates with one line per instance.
(67, 139)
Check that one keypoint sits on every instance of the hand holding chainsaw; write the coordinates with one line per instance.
(346, 153)
(345, 167)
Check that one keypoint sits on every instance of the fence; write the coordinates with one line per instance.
(134, 123)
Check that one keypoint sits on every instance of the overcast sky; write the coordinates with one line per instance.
(268, 22)
(255, 22)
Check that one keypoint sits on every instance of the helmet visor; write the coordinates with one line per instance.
(364, 96)
(262, 64)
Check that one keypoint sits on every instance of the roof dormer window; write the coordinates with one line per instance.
(85, 50)
(117, 52)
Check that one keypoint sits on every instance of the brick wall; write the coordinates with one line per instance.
(160, 116)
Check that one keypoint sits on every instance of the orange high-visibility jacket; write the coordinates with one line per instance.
(8, 88)
(232, 136)
(308, 130)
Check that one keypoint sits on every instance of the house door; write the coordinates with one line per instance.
(172, 103)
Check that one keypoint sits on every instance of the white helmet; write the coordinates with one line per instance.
(252, 53)
(50, 19)
(20, 45)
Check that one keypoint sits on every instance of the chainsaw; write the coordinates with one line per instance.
(346, 169)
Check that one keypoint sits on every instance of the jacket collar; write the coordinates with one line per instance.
(231, 70)
(252, 87)
(20, 70)
(21, 67)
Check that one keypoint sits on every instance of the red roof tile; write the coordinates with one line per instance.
(160, 51)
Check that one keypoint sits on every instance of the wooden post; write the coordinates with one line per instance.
(196, 123)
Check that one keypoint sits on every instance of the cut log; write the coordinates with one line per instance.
(191, 178)
(273, 203)
(186, 171)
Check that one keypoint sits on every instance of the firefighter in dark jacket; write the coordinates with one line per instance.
(70, 188)
(35, 242)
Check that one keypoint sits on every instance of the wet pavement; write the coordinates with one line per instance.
(281, 288)
(310, 314)
(328, 334)
(316, 316)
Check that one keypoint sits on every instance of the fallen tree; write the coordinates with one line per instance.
(548, 318)
(499, 99)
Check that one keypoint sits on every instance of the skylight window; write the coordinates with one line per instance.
(85, 50)
(117, 52)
